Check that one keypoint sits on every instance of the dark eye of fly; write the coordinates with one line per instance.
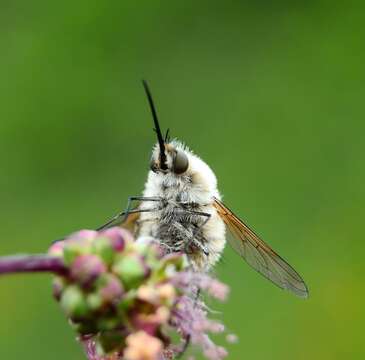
(180, 163)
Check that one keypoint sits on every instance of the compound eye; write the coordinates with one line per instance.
(180, 163)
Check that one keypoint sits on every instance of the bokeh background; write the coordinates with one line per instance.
(269, 93)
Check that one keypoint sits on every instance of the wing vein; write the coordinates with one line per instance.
(260, 255)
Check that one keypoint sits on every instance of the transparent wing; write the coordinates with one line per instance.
(259, 255)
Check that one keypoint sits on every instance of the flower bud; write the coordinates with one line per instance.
(73, 302)
(58, 286)
(140, 345)
(110, 289)
(85, 269)
(118, 237)
(131, 270)
(108, 323)
(72, 250)
(57, 248)
(122, 295)
(128, 300)
(102, 247)
(110, 340)
(85, 234)
(94, 301)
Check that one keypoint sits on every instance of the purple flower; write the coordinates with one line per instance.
(136, 296)
(126, 299)
(191, 320)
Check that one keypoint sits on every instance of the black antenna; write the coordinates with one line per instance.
(157, 126)
(167, 136)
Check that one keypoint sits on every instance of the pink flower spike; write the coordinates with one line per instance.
(217, 289)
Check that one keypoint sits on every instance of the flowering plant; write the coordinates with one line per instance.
(126, 299)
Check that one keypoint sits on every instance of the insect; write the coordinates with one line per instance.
(182, 208)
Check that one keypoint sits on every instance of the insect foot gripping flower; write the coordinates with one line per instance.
(126, 299)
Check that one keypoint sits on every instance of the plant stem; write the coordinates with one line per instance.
(32, 263)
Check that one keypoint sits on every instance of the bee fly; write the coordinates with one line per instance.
(182, 208)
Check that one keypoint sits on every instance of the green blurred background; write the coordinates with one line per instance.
(269, 93)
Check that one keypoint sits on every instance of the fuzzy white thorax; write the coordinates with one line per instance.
(196, 187)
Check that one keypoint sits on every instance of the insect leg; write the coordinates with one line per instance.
(120, 215)
(139, 198)
(123, 215)
(107, 224)
(207, 217)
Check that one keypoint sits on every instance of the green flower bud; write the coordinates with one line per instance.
(110, 340)
(168, 266)
(103, 247)
(127, 301)
(130, 269)
(72, 250)
(142, 248)
(94, 301)
(73, 302)
(108, 323)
